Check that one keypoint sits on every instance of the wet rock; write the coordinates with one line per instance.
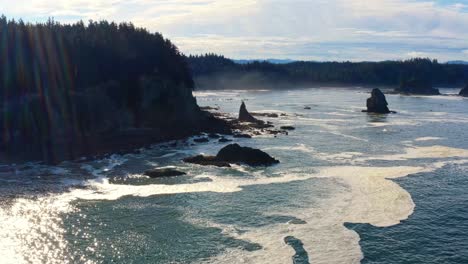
(307, 108)
(201, 140)
(214, 136)
(377, 103)
(237, 155)
(162, 173)
(270, 115)
(207, 161)
(224, 140)
(242, 136)
(464, 91)
(290, 128)
(245, 116)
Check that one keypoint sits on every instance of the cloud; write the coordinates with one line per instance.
(301, 29)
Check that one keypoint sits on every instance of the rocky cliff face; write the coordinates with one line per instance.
(100, 122)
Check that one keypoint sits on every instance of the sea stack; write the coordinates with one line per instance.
(464, 91)
(234, 154)
(417, 86)
(377, 103)
(245, 116)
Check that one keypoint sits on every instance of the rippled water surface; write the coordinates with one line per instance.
(350, 188)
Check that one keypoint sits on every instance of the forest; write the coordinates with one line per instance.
(62, 83)
(212, 68)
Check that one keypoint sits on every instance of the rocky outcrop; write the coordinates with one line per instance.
(377, 103)
(464, 92)
(163, 173)
(270, 115)
(417, 87)
(290, 128)
(245, 116)
(235, 154)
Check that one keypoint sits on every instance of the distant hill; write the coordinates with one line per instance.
(274, 61)
(458, 62)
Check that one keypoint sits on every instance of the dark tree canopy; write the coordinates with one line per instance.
(60, 82)
(391, 73)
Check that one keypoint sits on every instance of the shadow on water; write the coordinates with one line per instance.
(301, 256)
(377, 118)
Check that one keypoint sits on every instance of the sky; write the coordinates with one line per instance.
(322, 30)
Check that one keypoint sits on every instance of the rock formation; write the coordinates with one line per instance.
(464, 91)
(235, 154)
(377, 103)
(417, 87)
(161, 173)
(245, 116)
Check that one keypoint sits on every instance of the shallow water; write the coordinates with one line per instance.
(350, 187)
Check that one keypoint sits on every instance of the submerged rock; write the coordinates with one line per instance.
(207, 161)
(245, 116)
(270, 115)
(307, 108)
(464, 91)
(242, 136)
(417, 87)
(224, 140)
(235, 154)
(288, 128)
(377, 103)
(201, 140)
(162, 173)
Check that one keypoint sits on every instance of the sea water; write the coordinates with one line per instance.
(351, 187)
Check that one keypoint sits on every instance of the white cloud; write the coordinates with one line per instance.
(303, 29)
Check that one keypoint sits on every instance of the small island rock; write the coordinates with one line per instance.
(235, 154)
(162, 173)
(245, 116)
(417, 87)
(377, 103)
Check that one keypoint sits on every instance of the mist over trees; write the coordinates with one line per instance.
(392, 73)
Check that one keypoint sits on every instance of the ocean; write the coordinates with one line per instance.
(351, 187)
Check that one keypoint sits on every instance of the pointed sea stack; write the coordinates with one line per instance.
(377, 103)
(464, 91)
(245, 116)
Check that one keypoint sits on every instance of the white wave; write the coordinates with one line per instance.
(370, 197)
(428, 138)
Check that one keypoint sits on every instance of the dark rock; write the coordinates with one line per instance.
(417, 87)
(307, 108)
(214, 136)
(242, 136)
(161, 173)
(377, 103)
(207, 161)
(270, 115)
(464, 91)
(224, 140)
(288, 128)
(201, 140)
(245, 116)
(208, 108)
(235, 154)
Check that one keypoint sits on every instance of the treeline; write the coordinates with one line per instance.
(391, 73)
(64, 82)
